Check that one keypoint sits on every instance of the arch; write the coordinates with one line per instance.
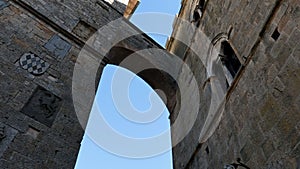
(222, 66)
(157, 79)
(137, 136)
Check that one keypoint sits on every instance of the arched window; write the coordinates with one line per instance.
(230, 62)
(223, 62)
(201, 5)
(222, 67)
(199, 9)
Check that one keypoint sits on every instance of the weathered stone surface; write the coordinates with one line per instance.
(268, 148)
(43, 106)
(247, 151)
(84, 30)
(37, 110)
(261, 110)
(260, 122)
(58, 47)
(7, 134)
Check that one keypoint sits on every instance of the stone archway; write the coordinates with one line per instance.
(159, 80)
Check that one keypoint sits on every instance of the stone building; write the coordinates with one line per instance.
(243, 55)
(40, 42)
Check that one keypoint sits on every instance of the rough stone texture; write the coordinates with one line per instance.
(38, 124)
(23, 33)
(43, 106)
(58, 47)
(84, 30)
(260, 123)
(96, 13)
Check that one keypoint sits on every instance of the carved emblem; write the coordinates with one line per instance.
(43, 106)
(47, 103)
(33, 64)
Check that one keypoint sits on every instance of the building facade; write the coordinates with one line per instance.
(245, 57)
(241, 57)
(40, 44)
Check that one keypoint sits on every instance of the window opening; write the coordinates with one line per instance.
(198, 12)
(201, 5)
(230, 62)
(275, 34)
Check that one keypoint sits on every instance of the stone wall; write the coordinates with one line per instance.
(39, 43)
(42, 138)
(260, 122)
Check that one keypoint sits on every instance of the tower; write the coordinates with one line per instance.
(40, 43)
(244, 55)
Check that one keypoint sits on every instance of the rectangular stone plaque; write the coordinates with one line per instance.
(43, 106)
(58, 47)
(84, 30)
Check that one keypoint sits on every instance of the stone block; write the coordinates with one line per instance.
(281, 12)
(289, 75)
(286, 125)
(268, 148)
(287, 24)
(257, 159)
(119, 6)
(294, 38)
(278, 87)
(295, 13)
(296, 151)
(58, 47)
(54, 73)
(32, 132)
(84, 30)
(270, 113)
(21, 161)
(24, 144)
(255, 134)
(296, 53)
(7, 134)
(43, 106)
(280, 161)
(247, 151)
(297, 104)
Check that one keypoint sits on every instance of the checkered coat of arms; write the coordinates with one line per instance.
(33, 64)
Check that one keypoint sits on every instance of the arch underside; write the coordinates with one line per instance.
(156, 78)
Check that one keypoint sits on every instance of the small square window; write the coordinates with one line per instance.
(275, 34)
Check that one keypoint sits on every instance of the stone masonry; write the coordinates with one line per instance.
(260, 122)
(39, 44)
(259, 116)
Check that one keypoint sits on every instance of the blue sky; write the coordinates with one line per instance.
(170, 7)
(96, 155)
